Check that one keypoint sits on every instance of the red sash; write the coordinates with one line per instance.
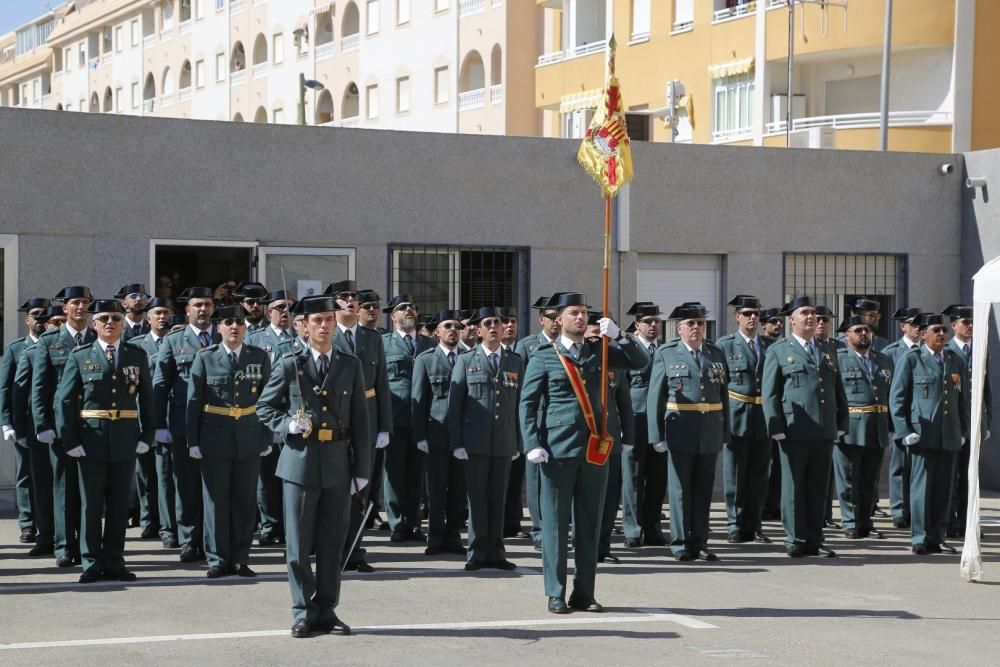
(598, 448)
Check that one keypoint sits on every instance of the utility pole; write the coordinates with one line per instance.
(883, 143)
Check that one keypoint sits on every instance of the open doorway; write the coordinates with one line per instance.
(176, 265)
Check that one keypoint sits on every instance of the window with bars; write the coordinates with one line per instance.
(837, 279)
(439, 277)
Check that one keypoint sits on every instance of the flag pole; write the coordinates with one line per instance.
(606, 312)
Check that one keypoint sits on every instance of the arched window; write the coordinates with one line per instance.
(324, 108)
(473, 74)
(109, 100)
(167, 83)
(350, 106)
(185, 82)
(260, 50)
(352, 20)
(238, 60)
(260, 116)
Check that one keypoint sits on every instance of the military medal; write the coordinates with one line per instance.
(791, 360)
(716, 373)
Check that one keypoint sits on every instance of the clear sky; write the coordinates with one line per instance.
(15, 13)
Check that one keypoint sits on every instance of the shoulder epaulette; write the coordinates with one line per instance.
(713, 345)
(176, 333)
(50, 332)
(211, 348)
(85, 346)
(424, 353)
(726, 338)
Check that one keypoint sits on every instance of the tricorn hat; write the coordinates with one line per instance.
(688, 310)
(540, 302)
(193, 293)
(106, 306)
(924, 320)
(448, 315)
(485, 312)
(368, 296)
(796, 303)
(825, 310)
(227, 311)
(319, 303)
(250, 290)
(159, 302)
(50, 312)
(769, 314)
(74, 292)
(32, 303)
(341, 286)
(397, 301)
(561, 300)
(137, 288)
(745, 301)
(958, 311)
(642, 309)
(862, 304)
(905, 314)
(851, 321)
(280, 295)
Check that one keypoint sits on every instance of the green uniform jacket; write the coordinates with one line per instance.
(803, 399)
(676, 378)
(267, 340)
(148, 345)
(482, 408)
(50, 356)
(20, 391)
(862, 390)
(560, 427)
(399, 368)
(8, 369)
(170, 382)
(89, 383)
(925, 398)
(215, 382)
(745, 419)
(368, 349)
(896, 349)
(967, 387)
(621, 418)
(338, 403)
(529, 344)
(128, 333)
(429, 400)
(639, 384)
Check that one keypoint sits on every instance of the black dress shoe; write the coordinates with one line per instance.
(301, 628)
(875, 534)
(64, 561)
(920, 549)
(944, 547)
(28, 536)
(417, 536)
(148, 533)
(332, 624)
(654, 540)
(900, 523)
(473, 565)
(90, 576)
(432, 551)
(707, 555)
(124, 574)
(169, 541)
(456, 549)
(608, 559)
(796, 552)
(503, 564)
(189, 554)
(684, 556)
(267, 540)
(398, 536)
(850, 534)
(217, 571)
(953, 533)
(585, 604)
(761, 538)
(632, 543)
(735, 537)
(821, 550)
(879, 512)
(359, 566)
(41, 551)
(243, 570)
(558, 606)
(830, 523)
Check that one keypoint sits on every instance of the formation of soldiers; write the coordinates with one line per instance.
(301, 420)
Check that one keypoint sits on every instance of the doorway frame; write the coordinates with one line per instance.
(153, 243)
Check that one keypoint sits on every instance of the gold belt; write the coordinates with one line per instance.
(868, 409)
(234, 412)
(743, 398)
(695, 407)
(370, 393)
(112, 415)
(331, 434)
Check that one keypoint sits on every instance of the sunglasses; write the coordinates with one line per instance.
(104, 319)
(404, 306)
(822, 318)
(551, 316)
(369, 306)
(347, 296)
(938, 330)
(234, 321)
(693, 323)
(137, 295)
(750, 313)
(860, 330)
(649, 320)
(774, 320)
(251, 302)
(36, 313)
(508, 320)
(490, 323)
(279, 306)
(967, 321)
(452, 325)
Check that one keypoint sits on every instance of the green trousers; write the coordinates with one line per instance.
(486, 482)
(805, 475)
(23, 495)
(856, 469)
(188, 500)
(446, 500)
(269, 495)
(66, 501)
(104, 489)
(745, 463)
(229, 489)
(931, 478)
(404, 473)
(690, 480)
(41, 485)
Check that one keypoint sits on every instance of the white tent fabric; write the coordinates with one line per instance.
(985, 293)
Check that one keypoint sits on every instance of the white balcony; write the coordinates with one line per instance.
(354, 121)
(469, 7)
(472, 99)
(586, 49)
(57, 76)
(774, 4)
(104, 60)
(236, 7)
(325, 51)
(45, 100)
(258, 2)
(166, 100)
(496, 3)
(549, 58)
(260, 70)
(148, 105)
(496, 94)
(184, 28)
(166, 34)
(184, 94)
(870, 119)
(238, 77)
(149, 40)
(735, 12)
(350, 42)
(682, 26)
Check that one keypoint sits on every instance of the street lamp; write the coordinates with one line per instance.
(303, 84)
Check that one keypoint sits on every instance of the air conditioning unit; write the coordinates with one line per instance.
(779, 105)
(813, 137)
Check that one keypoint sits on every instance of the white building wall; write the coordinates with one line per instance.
(76, 78)
(126, 66)
(283, 79)
(209, 36)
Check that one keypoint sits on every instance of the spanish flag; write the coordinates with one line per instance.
(605, 153)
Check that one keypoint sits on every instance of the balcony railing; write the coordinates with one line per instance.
(870, 119)
(734, 12)
(682, 26)
(236, 7)
(166, 34)
(166, 100)
(496, 3)
(184, 94)
(350, 42)
(148, 105)
(260, 70)
(325, 51)
(496, 94)
(184, 28)
(104, 59)
(575, 52)
(549, 58)
(237, 77)
(774, 4)
(472, 99)
(149, 40)
(353, 121)
(45, 100)
(468, 7)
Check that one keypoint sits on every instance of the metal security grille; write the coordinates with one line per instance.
(836, 279)
(439, 277)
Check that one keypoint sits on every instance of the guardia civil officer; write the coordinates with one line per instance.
(773, 327)
(806, 411)
(899, 457)
(857, 457)
(870, 310)
(226, 436)
(928, 409)
(368, 310)
(483, 432)
(170, 384)
(104, 415)
(134, 299)
(688, 408)
(745, 460)
(49, 359)
(825, 325)
(253, 298)
(404, 463)
(156, 474)
(560, 432)
(315, 398)
(15, 426)
(446, 503)
(360, 341)
(275, 338)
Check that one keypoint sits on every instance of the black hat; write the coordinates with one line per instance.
(447, 315)
(159, 302)
(32, 303)
(689, 310)
(593, 317)
(398, 300)
(905, 314)
(540, 302)
(341, 286)
(769, 314)
(561, 300)
(106, 306)
(509, 313)
(227, 311)
(318, 303)
(862, 304)
(50, 312)
(745, 301)
(924, 320)
(825, 310)
(467, 313)
(250, 290)
(958, 311)
(630, 328)
(851, 321)
(368, 296)
(484, 312)
(177, 318)
(796, 303)
(129, 289)
(193, 293)
(644, 309)
(280, 295)
(75, 292)
(425, 320)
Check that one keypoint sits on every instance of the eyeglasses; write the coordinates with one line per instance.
(347, 296)
(649, 320)
(234, 321)
(967, 321)
(750, 313)
(822, 318)
(938, 330)
(452, 325)
(278, 306)
(137, 295)
(369, 306)
(860, 330)
(490, 322)
(693, 323)
(774, 320)
(551, 316)
(104, 319)
(404, 306)
(251, 302)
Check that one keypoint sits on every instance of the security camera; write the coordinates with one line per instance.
(975, 182)
(946, 168)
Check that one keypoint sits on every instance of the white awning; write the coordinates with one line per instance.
(320, 9)
(732, 68)
(587, 99)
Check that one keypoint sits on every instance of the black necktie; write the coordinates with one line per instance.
(324, 366)
(451, 358)
(137, 329)
(697, 357)
(493, 362)
(158, 341)
(811, 349)
(204, 338)
(966, 351)
(79, 339)
(409, 344)
(350, 339)
(234, 360)
(110, 353)
(754, 357)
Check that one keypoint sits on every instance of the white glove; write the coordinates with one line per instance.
(194, 452)
(461, 454)
(381, 440)
(23, 442)
(46, 437)
(911, 439)
(422, 446)
(163, 435)
(626, 448)
(516, 456)
(778, 436)
(265, 452)
(538, 455)
(985, 437)
(840, 434)
(358, 484)
(77, 452)
(660, 446)
(8, 433)
(298, 425)
(276, 438)
(608, 327)
(141, 448)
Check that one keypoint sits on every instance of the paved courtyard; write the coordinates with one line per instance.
(875, 603)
